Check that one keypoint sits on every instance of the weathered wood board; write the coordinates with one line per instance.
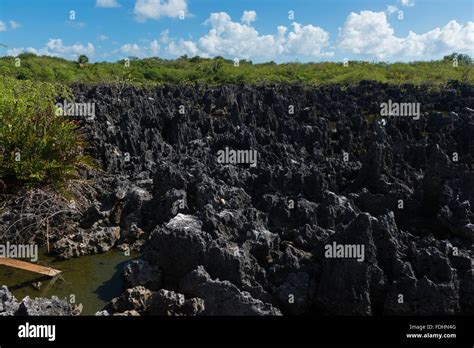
(27, 266)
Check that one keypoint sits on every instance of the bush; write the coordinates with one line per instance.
(82, 60)
(219, 70)
(36, 145)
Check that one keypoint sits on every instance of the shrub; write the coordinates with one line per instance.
(82, 60)
(219, 70)
(36, 145)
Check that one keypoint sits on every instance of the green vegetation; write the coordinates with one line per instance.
(82, 60)
(219, 70)
(36, 145)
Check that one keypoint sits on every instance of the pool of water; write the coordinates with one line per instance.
(93, 280)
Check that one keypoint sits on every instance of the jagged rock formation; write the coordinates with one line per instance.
(244, 240)
(32, 307)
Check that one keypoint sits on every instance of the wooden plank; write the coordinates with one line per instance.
(27, 266)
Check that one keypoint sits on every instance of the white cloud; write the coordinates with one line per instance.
(131, 49)
(156, 9)
(408, 3)
(107, 3)
(184, 47)
(164, 36)
(439, 41)
(306, 41)
(228, 38)
(154, 48)
(391, 9)
(14, 25)
(16, 51)
(56, 47)
(103, 37)
(239, 40)
(136, 50)
(369, 34)
(249, 17)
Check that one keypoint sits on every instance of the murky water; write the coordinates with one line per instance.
(94, 280)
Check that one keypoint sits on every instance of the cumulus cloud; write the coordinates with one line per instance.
(240, 40)
(16, 51)
(228, 38)
(369, 34)
(452, 37)
(103, 37)
(154, 48)
(131, 49)
(56, 47)
(249, 17)
(183, 47)
(136, 50)
(156, 9)
(14, 25)
(107, 3)
(306, 41)
(165, 36)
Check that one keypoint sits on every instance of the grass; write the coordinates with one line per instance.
(219, 71)
(36, 145)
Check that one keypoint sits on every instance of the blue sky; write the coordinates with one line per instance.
(320, 30)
